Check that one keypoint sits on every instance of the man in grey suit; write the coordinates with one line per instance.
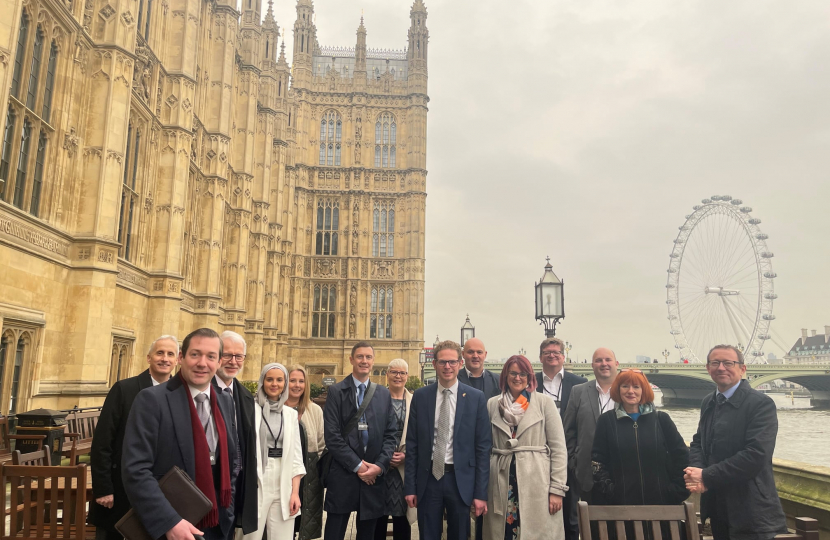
(183, 423)
(473, 373)
(588, 400)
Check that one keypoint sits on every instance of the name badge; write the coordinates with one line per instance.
(274, 452)
(363, 426)
(213, 458)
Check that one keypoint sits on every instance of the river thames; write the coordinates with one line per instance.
(803, 433)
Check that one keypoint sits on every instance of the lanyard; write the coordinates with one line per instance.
(277, 438)
(602, 405)
(557, 394)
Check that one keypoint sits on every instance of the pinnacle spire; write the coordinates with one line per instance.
(270, 13)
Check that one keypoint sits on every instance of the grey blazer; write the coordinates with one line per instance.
(580, 423)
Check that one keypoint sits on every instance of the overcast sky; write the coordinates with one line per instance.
(586, 131)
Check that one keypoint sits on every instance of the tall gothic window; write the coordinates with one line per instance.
(147, 22)
(331, 129)
(323, 311)
(129, 196)
(6, 154)
(383, 229)
(328, 223)
(37, 182)
(386, 135)
(34, 73)
(380, 323)
(22, 163)
(22, 38)
(50, 82)
(15, 356)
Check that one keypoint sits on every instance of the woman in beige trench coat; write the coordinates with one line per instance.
(528, 462)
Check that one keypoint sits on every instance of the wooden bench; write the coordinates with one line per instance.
(80, 428)
(645, 521)
(6, 440)
(51, 503)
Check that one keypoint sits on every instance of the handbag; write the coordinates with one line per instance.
(183, 495)
(324, 464)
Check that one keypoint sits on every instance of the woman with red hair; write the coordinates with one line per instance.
(528, 462)
(638, 455)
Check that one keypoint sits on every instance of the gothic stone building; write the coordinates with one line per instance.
(164, 168)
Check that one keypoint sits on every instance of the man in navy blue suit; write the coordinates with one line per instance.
(447, 450)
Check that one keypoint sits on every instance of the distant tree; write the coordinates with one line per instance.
(413, 383)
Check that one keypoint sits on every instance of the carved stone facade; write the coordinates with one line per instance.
(179, 173)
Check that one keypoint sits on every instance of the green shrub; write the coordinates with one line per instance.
(413, 383)
(250, 385)
(316, 390)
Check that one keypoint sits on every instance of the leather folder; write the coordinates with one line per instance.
(181, 492)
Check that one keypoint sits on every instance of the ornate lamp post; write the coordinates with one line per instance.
(665, 354)
(468, 331)
(550, 300)
(422, 359)
(568, 348)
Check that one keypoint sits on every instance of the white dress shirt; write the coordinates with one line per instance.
(155, 382)
(605, 402)
(439, 399)
(553, 387)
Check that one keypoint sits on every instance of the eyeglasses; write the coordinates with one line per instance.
(397, 373)
(631, 370)
(728, 364)
(234, 357)
(518, 375)
(553, 353)
(445, 363)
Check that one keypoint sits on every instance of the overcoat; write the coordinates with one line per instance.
(736, 457)
(638, 462)
(346, 492)
(541, 469)
(105, 455)
(159, 436)
(311, 522)
(411, 513)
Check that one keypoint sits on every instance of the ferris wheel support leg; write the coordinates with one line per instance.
(735, 323)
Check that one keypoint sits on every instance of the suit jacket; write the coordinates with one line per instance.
(734, 447)
(491, 382)
(159, 437)
(246, 484)
(580, 425)
(105, 456)
(346, 492)
(569, 380)
(471, 445)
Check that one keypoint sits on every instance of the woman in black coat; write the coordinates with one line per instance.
(638, 455)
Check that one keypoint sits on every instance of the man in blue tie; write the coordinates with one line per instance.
(363, 453)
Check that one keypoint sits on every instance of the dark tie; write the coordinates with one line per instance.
(238, 466)
(364, 434)
(721, 399)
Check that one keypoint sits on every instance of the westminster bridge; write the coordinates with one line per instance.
(687, 384)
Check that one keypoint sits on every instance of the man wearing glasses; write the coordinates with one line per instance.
(555, 382)
(731, 454)
(234, 349)
(448, 445)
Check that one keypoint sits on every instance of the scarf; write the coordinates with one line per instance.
(512, 411)
(271, 412)
(204, 471)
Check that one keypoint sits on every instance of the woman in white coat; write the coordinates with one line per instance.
(279, 463)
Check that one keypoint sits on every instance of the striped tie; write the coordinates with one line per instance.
(441, 436)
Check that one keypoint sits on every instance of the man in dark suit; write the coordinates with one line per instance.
(111, 501)
(473, 373)
(183, 423)
(555, 382)
(586, 402)
(364, 453)
(448, 446)
(234, 350)
(731, 454)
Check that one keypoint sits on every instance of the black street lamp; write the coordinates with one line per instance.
(468, 331)
(550, 300)
(422, 359)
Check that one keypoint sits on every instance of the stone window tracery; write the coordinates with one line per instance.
(323, 311)
(386, 135)
(380, 322)
(328, 225)
(16, 354)
(331, 132)
(129, 195)
(383, 229)
(122, 348)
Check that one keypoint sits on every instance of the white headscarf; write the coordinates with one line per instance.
(271, 411)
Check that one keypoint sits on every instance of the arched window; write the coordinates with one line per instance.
(6, 154)
(147, 22)
(37, 182)
(386, 135)
(22, 163)
(129, 195)
(34, 73)
(380, 321)
(323, 311)
(383, 229)
(331, 128)
(22, 38)
(50, 82)
(328, 225)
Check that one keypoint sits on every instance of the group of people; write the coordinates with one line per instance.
(516, 450)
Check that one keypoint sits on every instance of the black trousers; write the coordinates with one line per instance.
(336, 525)
(401, 530)
(441, 495)
(105, 534)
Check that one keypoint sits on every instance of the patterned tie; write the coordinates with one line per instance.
(441, 437)
(203, 408)
(238, 466)
(364, 435)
